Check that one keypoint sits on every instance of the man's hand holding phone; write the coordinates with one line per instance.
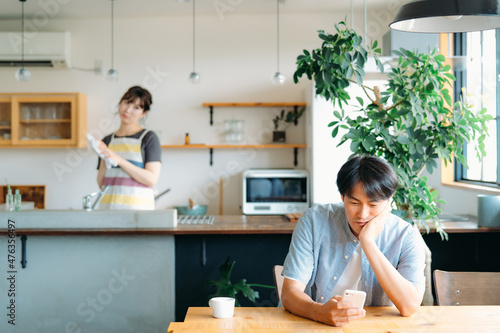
(340, 311)
(356, 297)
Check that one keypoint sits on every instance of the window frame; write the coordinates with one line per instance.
(451, 173)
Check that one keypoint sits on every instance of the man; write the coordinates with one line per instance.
(357, 244)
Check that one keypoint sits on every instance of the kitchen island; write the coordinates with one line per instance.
(57, 277)
(137, 273)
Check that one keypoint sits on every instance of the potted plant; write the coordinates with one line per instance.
(412, 121)
(225, 288)
(281, 122)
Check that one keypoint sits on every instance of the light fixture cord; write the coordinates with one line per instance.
(22, 36)
(364, 16)
(352, 16)
(278, 32)
(112, 34)
(194, 37)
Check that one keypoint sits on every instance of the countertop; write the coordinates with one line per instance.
(227, 224)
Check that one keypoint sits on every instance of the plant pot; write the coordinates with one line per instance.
(488, 210)
(279, 136)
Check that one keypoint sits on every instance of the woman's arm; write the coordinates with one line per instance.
(147, 176)
(100, 173)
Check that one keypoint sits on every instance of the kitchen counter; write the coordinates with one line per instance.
(162, 222)
(136, 223)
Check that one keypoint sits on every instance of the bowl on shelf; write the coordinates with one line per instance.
(195, 210)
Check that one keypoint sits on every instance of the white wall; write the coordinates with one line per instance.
(236, 57)
(326, 156)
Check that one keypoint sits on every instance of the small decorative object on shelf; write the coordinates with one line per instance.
(233, 131)
(186, 139)
(279, 136)
(282, 121)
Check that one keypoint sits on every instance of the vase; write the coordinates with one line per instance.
(279, 136)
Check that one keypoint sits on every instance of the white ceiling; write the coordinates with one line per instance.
(11, 9)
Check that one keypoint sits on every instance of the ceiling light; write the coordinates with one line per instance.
(194, 77)
(437, 16)
(278, 78)
(22, 74)
(112, 73)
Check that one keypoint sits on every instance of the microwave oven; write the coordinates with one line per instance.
(275, 191)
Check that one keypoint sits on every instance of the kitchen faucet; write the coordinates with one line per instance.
(87, 200)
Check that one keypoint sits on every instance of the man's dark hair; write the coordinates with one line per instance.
(377, 176)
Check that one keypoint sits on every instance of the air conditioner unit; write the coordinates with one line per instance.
(41, 49)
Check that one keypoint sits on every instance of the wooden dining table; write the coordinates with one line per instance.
(443, 319)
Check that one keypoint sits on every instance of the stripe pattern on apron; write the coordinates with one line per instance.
(125, 192)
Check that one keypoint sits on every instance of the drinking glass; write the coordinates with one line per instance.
(25, 112)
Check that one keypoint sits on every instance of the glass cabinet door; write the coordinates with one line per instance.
(5, 120)
(45, 121)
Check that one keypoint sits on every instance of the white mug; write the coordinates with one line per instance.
(222, 307)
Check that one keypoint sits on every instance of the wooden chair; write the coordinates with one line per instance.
(278, 279)
(428, 298)
(467, 288)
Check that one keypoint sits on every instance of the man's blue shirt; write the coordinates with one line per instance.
(322, 245)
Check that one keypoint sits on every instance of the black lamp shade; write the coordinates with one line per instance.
(436, 16)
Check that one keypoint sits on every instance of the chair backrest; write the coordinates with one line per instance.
(467, 288)
(428, 298)
(278, 279)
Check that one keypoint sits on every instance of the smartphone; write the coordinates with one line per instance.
(357, 297)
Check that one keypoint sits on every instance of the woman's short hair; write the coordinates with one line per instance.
(140, 93)
(377, 176)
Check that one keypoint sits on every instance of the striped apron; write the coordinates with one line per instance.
(125, 192)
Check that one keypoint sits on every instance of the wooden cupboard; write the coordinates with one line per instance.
(33, 120)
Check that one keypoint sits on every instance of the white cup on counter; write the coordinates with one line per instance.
(222, 307)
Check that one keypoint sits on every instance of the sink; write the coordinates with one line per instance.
(77, 219)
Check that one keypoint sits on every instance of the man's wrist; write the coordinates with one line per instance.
(367, 244)
(315, 310)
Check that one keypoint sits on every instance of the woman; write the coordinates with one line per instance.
(137, 153)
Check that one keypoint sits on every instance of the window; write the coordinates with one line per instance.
(480, 77)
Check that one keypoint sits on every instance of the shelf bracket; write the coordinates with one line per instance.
(295, 153)
(211, 115)
(296, 110)
(23, 251)
(211, 156)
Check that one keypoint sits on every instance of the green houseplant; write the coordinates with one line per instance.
(225, 288)
(412, 121)
(282, 120)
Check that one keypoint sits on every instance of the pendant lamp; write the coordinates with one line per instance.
(22, 74)
(437, 16)
(194, 77)
(278, 78)
(112, 73)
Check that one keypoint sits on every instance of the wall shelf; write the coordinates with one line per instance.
(283, 104)
(224, 146)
